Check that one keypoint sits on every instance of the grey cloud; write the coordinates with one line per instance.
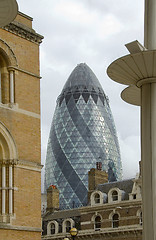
(68, 42)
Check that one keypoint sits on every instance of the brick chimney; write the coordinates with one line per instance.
(96, 177)
(52, 198)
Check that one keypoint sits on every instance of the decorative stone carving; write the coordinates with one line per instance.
(24, 32)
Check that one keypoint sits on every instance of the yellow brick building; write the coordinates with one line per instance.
(20, 160)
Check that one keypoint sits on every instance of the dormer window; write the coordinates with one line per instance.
(114, 196)
(52, 228)
(97, 198)
(68, 226)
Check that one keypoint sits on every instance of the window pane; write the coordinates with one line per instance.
(115, 196)
(68, 226)
(52, 228)
(97, 198)
(97, 222)
(115, 221)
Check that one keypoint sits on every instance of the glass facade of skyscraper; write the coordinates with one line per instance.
(82, 133)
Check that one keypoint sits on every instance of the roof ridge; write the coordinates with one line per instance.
(124, 180)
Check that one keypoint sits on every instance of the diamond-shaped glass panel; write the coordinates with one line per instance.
(82, 133)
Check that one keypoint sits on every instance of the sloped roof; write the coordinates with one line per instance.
(124, 185)
(63, 214)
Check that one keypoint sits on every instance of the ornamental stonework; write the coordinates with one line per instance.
(24, 32)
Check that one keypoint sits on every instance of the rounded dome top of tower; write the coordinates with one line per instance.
(82, 75)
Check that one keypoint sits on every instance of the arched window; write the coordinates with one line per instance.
(52, 228)
(115, 196)
(97, 223)
(4, 81)
(7, 151)
(115, 221)
(140, 220)
(8, 64)
(139, 216)
(68, 226)
(97, 198)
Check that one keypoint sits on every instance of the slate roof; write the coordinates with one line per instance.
(125, 185)
(63, 214)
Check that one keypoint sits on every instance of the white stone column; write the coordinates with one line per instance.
(148, 156)
(148, 131)
(143, 75)
(150, 24)
(3, 189)
(10, 189)
(12, 98)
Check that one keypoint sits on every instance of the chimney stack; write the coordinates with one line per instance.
(96, 177)
(52, 198)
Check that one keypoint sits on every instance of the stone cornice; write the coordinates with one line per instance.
(34, 166)
(20, 228)
(22, 164)
(104, 233)
(110, 233)
(8, 161)
(14, 107)
(110, 206)
(24, 32)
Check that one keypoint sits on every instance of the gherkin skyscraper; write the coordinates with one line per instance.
(82, 133)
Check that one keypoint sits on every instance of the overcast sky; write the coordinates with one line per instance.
(94, 32)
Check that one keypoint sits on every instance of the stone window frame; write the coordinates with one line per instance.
(140, 217)
(72, 223)
(49, 227)
(111, 218)
(93, 220)
(92, 198)
(110, 195)
(8, 156)
(115, 222)
(8, 65)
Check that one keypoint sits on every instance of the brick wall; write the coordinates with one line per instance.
(22, 120)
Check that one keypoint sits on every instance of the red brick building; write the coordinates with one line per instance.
(114, 211)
